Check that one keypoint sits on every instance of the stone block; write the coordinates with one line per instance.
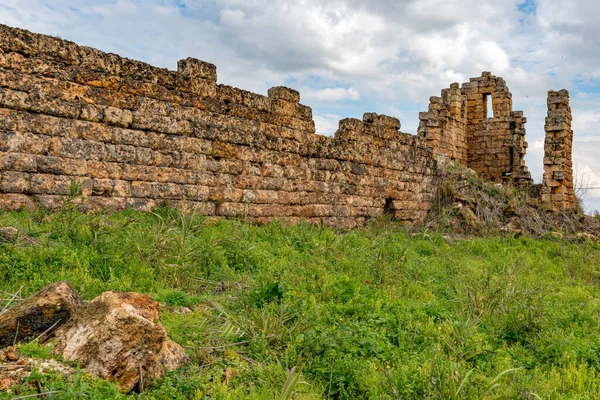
(203, 88)
(122, 188)
(197, 69)
(144, 352)
(15, 182)
(39, 314)
(18, 162)
(351, 124)
(118, 117)
(102, 187)
(283, 107)
(284, 93)
(61, 166)
(382, 120)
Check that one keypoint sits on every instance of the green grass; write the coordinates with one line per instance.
(375, 313)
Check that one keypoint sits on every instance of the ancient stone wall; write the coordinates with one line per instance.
(131, 135)
(496, 142)
(557, 185)
(458, 126)
(126, 134)
(444, 125)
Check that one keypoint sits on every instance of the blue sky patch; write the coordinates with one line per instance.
(527, 7)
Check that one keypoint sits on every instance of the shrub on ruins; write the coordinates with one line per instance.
(467, 204)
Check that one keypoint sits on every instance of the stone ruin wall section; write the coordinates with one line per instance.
(558, 185)
(444, 125)
(457, 126)
(496, 142)
(135, 136)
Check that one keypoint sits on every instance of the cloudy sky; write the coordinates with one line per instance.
(351, 56)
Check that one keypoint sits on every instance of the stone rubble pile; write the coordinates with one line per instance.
(116, 336)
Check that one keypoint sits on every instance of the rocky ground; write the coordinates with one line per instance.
(467, 205)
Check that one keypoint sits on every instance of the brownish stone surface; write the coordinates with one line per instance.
(116, 336)
(458, 127)
(557, 187)
(444, 125)
(131, 135)
(41, 313)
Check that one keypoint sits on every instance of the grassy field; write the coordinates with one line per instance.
(376, 313)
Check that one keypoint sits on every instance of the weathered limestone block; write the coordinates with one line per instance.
(194, 68)
(351, 124)
(382, 120)
(15, 182)
(284, 93)
(40, 313)
(197, 77)
(16, 201)
(558, 175)
(283, 107)
(559, 99)
(116, 336)
(18, 162)
(118, 117)
(61, 166)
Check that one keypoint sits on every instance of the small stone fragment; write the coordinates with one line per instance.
(11, 354)
(469, 216)
(6, 383)
(42, 312)
(116, 336)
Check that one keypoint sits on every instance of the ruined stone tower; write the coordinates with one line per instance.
(557, 186)
(476, 126)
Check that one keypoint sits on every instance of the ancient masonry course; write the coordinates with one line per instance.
(130, 135)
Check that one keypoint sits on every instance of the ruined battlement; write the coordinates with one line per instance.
(131, 135)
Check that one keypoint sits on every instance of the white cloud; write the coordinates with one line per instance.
(587, 123)
(492, 57)
(327, 124)
(587, 183)
(330, 95)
